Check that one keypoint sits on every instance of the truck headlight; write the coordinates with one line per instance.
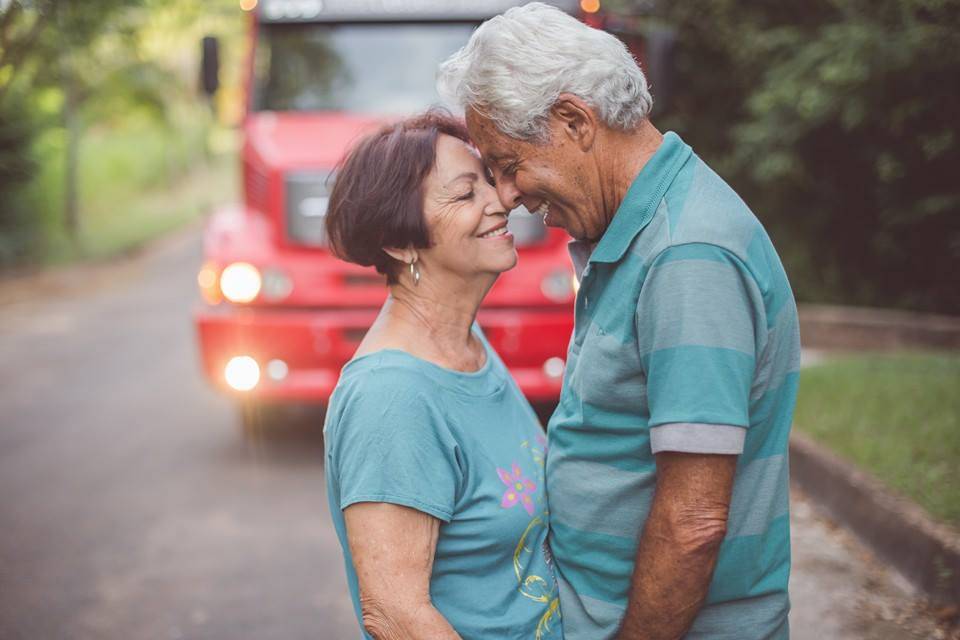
(553, 367)
(558, 286)
(242, 373)
(208, 279)
(277, 285)
(240, 282)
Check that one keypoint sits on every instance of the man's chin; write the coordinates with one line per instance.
(579, 233)
(562, 224)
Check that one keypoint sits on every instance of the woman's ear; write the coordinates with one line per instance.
(405, 256)
(577, 118)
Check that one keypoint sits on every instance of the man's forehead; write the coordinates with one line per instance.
(483, 129)
(475, 119)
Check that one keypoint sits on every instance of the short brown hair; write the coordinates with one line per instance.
(377, 198)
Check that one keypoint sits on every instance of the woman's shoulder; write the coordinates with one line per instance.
(384, 406)
(383, 369)
(386, 385)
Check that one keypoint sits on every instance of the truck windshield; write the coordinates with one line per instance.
(369, 68)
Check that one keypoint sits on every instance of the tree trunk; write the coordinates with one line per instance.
(71, 121)
(72, 125)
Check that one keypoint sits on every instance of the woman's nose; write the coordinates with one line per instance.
(509, 195)
(495, 206)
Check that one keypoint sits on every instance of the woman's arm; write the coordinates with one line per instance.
(392, 549)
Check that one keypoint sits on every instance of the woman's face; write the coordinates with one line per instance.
(467, 222)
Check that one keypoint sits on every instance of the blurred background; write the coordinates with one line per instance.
(171, 320)
(100, 110)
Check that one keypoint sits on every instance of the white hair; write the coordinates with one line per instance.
(516, 65)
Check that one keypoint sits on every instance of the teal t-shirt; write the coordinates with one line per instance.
(467, 449)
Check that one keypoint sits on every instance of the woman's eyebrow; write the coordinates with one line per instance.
(467, 174)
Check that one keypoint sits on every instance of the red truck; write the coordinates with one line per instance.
(280, 314)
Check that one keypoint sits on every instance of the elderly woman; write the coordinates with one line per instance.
(434, 459)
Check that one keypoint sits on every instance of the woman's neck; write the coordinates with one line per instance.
(432, 322)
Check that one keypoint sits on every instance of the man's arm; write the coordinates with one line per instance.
(393, 548)
(679, 545)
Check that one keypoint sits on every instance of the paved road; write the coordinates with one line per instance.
(130, 507)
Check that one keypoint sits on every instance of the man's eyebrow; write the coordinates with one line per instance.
(466, 174)
(494, 158)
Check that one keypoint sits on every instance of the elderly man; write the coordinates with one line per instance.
(667, 468)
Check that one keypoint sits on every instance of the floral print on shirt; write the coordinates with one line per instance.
(519, 488)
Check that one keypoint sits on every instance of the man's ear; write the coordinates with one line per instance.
(405, 256)
(577, 118)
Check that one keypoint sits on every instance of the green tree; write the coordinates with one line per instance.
(48, 45)
(836, 120)
(16, 169)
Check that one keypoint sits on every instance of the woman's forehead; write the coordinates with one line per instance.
(454, 156)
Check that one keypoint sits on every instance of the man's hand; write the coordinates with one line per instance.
(678, 549)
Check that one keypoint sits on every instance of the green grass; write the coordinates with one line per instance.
(896, 416)
(136, 181)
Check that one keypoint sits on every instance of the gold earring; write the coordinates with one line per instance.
(415, 272)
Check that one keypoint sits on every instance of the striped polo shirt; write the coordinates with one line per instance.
(686, 339)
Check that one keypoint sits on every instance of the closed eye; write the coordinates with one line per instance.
(488, 174)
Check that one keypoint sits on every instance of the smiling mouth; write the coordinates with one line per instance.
(543, 210)
(493, 233)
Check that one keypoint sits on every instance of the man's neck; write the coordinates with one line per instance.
(624, 155)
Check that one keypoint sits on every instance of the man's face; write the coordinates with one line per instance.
(552, 178)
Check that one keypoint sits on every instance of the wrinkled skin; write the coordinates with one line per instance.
(582, 171)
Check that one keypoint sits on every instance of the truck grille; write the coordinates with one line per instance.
(255, 186)
(307, 194)
(527, 229)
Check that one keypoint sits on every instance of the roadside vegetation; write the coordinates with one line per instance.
(135, 183)
(836, 121)
(894, 415)
(103, 129)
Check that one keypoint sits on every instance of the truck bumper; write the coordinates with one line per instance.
(300, 352)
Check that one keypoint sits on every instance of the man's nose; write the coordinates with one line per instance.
(509, 195)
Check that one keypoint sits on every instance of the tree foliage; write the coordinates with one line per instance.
(836, 120)
(41, 41)
(48, 70)
(68, 66)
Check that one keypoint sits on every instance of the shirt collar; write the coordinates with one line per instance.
(580, 254)
(642, 199)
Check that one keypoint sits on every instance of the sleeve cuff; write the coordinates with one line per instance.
(440, 513)
(693, 437)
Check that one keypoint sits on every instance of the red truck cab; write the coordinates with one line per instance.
(280, 314)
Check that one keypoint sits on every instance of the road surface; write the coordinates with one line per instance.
(130, 507)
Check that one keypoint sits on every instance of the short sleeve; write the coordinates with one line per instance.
(392, 444)
(697, 318)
